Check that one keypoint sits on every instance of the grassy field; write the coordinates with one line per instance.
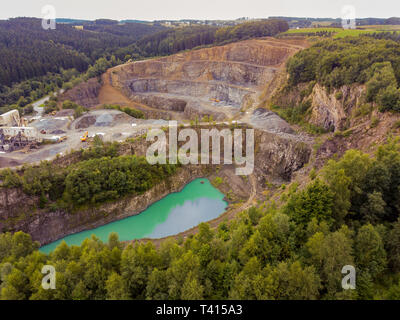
(341, 33)
(382, 28)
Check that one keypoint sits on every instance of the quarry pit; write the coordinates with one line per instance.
(223, 83)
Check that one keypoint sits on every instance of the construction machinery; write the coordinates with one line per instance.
(62, 139)
(14, 134)
(85, 136)
(14, 138)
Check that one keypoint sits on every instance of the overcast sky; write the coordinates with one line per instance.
(197, 9)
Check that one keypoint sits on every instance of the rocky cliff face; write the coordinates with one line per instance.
(332, 110)
(276, 159)
(14, 203)
(85, 94)
(48, 226)
(353, 123)
(216, 81)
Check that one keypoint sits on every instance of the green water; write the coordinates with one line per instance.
(177, 212)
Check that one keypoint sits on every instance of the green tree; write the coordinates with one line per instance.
(393, 244)
(178, 272)
(290, 281)
(389, 99)
(382, 77)
(370, 254)
(329, 254)
(115, 287)
(339, 184)
(15, 286)
(192, 289)
(137, 263)
(316, 201)
(157, 286)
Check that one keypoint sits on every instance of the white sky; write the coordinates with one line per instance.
(197, 9)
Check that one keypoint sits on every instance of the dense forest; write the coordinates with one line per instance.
(63, 57)
(294, 248)
(363, 60)
(20, 95)
(172, 41)
(35, 62)
(27, 50)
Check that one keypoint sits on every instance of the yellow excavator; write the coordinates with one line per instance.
(62, 139)
(85, 137)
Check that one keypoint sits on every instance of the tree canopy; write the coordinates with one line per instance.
(291, 251)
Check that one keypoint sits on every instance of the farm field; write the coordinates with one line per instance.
(341, 33)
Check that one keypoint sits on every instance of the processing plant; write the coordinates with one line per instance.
(15, 135)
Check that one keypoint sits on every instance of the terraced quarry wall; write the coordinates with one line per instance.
(219, 81)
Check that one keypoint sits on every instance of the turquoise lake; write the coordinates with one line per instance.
(198, 202)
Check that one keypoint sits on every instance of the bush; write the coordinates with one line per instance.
(396, 125)
(134, 113)
(382, 77)
(218, 181)
(294, 115)
(79, 111)
(374, 122)
(339, 95)
(101, 149)
(363, 110)
(389, 99)
(67, 104)
(27, 110)
(50, 106)
(10, 179)
(129, 111)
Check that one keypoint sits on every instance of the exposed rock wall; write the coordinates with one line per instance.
(85, 94)
(14, 203)
(203, 90)
(332, 110)
(198, 110)
(237, 73)
(214, 81)
(276, 159)
(48, 226)
(161, 102)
